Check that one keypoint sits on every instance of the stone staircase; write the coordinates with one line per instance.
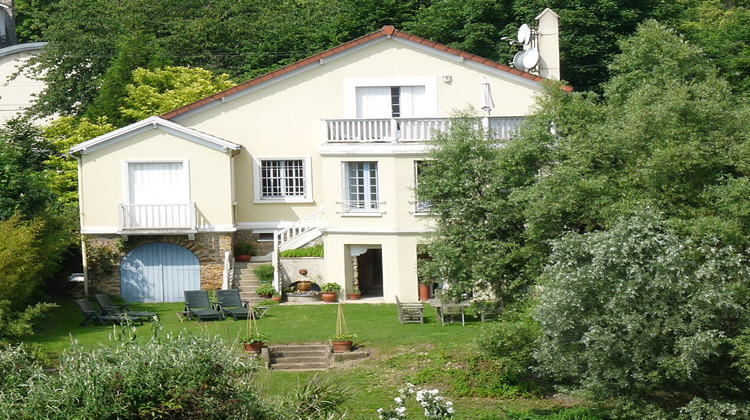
(299, 357)
(246, 280)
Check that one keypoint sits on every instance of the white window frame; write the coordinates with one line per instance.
(258, 185)
(351, 85)
(126, 176)
(369, 205)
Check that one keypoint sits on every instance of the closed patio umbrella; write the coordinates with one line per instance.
(488, 104)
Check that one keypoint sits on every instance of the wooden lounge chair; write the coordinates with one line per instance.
(93, 315)
(103, 300)
(446, 312)
(230, 304)
(410, 312)
(198, 305)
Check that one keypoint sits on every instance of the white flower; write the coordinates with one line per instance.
(398, 400)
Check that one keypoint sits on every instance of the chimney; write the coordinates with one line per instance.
(548, 42)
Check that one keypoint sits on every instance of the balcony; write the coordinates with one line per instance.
(142, 219)
(404, 130)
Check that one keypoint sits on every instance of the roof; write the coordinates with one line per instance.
(154, 123)
(387, 32)
(31, 46)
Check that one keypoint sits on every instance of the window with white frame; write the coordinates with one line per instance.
(282, 180)
(388, 97)
(361, 186)
(421, 206)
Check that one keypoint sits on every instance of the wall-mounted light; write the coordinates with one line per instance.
(447, 78)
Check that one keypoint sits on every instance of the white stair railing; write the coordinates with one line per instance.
(284, 236)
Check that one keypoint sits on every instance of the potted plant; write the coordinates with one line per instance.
(276, 297)
(329, 291)
(342, 340)
(424, 290)
(243, 251)
(254, 342)
(266, 290)
(355, 294)
(342, 343)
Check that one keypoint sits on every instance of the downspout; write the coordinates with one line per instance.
(84, 258)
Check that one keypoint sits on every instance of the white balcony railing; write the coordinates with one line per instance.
(407, 129)
(134, 217)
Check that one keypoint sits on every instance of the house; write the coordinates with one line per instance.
(327, 149)
(17, 94)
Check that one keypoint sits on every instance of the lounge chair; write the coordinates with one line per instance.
(230, 304)
(93, 315)
(198, 305)
(410, 312)
(103, 300)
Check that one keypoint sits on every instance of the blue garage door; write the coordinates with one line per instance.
(159, 272)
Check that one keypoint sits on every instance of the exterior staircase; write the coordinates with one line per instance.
(299, 357)
(246, 280)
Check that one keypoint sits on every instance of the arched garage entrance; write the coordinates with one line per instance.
(159, 272)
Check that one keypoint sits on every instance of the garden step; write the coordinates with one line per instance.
(299, 366)
(299, 357)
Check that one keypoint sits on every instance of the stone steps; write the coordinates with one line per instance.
(246, 281)
(299, 357)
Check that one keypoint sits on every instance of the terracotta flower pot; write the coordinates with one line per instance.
(329, 296)
(304, 286)
(276, 298)
(342, 346)
(253, 347)
(242, 257)
(424, 292)
(353, 296)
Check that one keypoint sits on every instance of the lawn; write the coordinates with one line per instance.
(429, 355)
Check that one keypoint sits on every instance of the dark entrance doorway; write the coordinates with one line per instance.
(370, 273)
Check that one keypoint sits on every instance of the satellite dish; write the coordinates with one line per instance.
(530, 59)
(518, 60)
(524, 34)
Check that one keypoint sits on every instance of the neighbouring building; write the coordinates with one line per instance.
(327, 149)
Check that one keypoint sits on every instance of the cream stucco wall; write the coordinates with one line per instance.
(16, 95)
(284, 118)
(103, 182)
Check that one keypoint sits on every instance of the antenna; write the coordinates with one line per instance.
(528, 58)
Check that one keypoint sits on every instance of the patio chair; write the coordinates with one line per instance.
(230, 304)
(93, 315)
(103, 300)
(198, 305)
(410, 312)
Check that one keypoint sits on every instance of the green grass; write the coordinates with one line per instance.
(429, 355)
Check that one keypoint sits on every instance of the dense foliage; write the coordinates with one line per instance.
(636, 310)
(95, 45)
(185, 376)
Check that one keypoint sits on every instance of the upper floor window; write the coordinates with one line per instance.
(391, 101)
(282, 180)
(390, 97)
(361, 186)
(421, 206)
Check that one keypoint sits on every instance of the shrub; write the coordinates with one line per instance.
(244, 248)
(512, 339)
(264, 273)
(316, 399)
(266, 290)
(639, 311)
(331, 287)
(312, 251)
(184, 376)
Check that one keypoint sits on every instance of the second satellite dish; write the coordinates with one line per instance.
(530, 58)
(524, 34)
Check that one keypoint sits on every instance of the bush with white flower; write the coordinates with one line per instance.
(435, 406)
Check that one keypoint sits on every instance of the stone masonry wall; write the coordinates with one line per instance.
(105, 252)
